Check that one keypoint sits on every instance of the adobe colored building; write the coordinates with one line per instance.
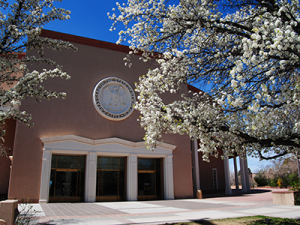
(89, 147)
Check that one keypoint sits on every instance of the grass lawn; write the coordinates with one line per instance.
(251, 220)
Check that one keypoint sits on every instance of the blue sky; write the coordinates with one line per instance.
(89, 19)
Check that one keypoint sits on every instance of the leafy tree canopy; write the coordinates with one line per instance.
(247, 51)
(21, 24)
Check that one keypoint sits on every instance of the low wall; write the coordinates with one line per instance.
(285, 197)
(9, 211)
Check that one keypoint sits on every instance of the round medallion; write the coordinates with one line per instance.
(113, 98)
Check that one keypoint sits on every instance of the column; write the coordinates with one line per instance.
(243, 178)
(132, 174)
(246, 174)
(45, 176)
(90, 177)
(228, 190)
(168, 178)
(196, 170)
(236, 174)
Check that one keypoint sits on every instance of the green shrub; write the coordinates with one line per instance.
(293, 178)
(273, 183)
(297, 200)
(295, 186)
(261, 180)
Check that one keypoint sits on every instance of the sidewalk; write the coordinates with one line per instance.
(257, 202)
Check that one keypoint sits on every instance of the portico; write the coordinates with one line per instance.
(71, 145)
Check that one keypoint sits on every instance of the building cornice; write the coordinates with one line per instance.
(89, 141)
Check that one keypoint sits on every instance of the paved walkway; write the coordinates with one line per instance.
(257, 202)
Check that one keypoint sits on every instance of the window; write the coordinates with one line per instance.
(215, 179)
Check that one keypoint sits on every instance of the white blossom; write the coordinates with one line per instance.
(20, 29)
(249, 56)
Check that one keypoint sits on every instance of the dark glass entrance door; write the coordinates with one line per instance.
(67, 179)
(146, 185)
(149, 179)
(110, 179)
(66, 184)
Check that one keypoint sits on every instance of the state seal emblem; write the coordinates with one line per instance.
(113, 98)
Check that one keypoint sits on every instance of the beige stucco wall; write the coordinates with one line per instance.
(206, 173)
(8, 142)
(285, 197)
(5, 162)
(76, 115)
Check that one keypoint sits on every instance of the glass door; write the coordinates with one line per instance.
(110, 179)
(67, 179)
(149, 179)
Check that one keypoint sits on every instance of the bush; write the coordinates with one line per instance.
(260, 179)
(273, 182)
(295, 186)
(297, 200)
(26, 214)
(293, 178)
(280, 182)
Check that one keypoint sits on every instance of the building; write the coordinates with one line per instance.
(89, 147)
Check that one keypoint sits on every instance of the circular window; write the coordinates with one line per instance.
(113, 98)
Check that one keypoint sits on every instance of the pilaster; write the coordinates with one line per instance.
(90, 177)
(168, 178)
(45, 176)
(132, 177)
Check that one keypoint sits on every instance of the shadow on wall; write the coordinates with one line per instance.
(3, 197)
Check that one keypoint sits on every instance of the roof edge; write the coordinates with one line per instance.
(194, 89)
(83, 41)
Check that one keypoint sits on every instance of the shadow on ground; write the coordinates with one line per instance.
(280, 222)
(202, 221)
(252, 220)
(63, 221)
(235, 193)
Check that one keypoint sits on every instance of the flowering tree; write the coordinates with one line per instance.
(246, 51)
(21, 24)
